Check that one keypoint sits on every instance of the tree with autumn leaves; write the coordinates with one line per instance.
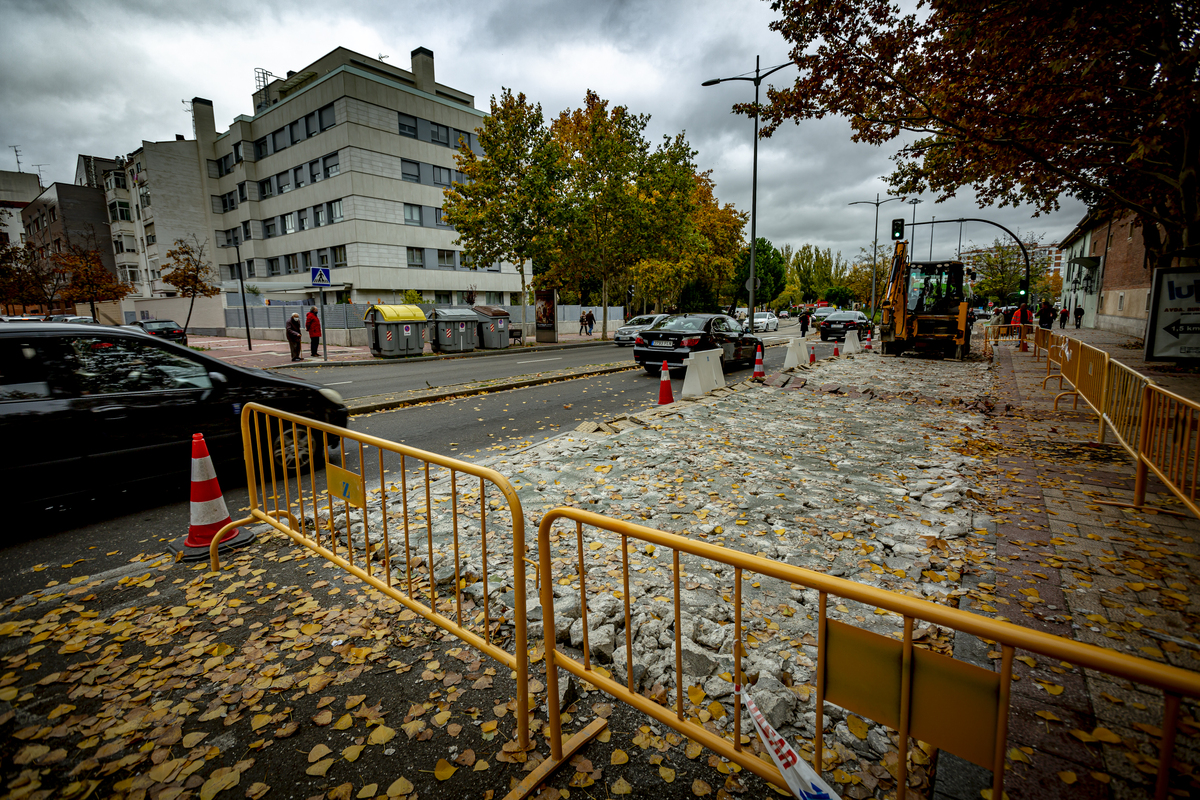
(589, 201)
(1023, 102)
(192, 275)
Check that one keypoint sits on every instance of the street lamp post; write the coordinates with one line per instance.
(913, 202)
(237, 252)
(756, 80)
(875, 246)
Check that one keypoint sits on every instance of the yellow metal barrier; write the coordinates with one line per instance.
(1041, 341)
(1054, 357)
(1123, 406)
(952, 705)
(281, 453)
(1072, 357)
(1169, 445)
(1092, 378)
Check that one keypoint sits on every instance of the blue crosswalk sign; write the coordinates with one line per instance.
(320, 276)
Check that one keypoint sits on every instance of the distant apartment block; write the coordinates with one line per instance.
(17, 190)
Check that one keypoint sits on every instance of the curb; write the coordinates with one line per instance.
(433, 397)
(379, 362)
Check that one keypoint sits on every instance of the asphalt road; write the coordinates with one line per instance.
(101, 534)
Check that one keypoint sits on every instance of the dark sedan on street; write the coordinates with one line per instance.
(86, 409)
(839, 323)
(673, 339)
(165, 328)
(629, 331)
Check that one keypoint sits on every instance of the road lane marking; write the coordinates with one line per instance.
(538, 360)
(339, 383)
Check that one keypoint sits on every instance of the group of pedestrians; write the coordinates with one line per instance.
(587, 322)
(312, 324)
(1022, 315)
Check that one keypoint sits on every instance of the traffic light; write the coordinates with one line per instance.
(1024, 286)
(629, 294)
(897, 230)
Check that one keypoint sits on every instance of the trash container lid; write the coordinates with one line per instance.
(455, 314)
(396, 313)
(491, 311)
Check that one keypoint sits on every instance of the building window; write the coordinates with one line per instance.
(242, 196)
(284, 181)
(318, 216)
(118, 211)
(298, 176)
(269, 228)
(310, 124)
(514, 298)
(265, 189)
(494, 298)
(441, 176)
(279, 139)
(115, 180)
(228, 202)
(412, 214)
(327, 118)
(322, 258)
(445, 258)
(245, 230)
(441, 298)
(306, 261)
(416, 257)
(297, 131)
(335, 211)
(237, 152)
(439, 134)
(331, 165)
(250, 268)
(291, 264)
(144, 198)
(408, 125)
(289, 223)
(302, 219)
(410, 170)
(314, 171)
(272, 266)
(339, 256)
(1120, 301)
(439, 219)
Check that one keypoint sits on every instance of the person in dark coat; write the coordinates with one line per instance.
(312, 324)
(582, 323)
(1046, 315)
(292, 329)
(591, 322)
(1078, 315)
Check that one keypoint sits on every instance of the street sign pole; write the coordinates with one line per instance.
(324, 333)
(320, 279)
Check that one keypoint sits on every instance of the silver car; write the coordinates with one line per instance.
(629, 331)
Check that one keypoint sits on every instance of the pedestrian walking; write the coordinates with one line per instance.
(582, 323)
(803, 324)
(292, 329)
(1062, 317)
(1046, 315)
(1078, 316)
(997, 317)
(312, 324)
(591, 322)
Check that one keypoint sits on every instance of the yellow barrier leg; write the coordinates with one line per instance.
(569, 748)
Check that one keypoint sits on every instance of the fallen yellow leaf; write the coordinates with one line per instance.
(380, 735)
(667, 774)
(400, 786)
(444, 770)
(320, 768)
(622, 787)
(858, 726)
(1067, 777)
(317, 753)
(618, 757)
(352, 752)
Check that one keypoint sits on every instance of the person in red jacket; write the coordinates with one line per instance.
(312, 324)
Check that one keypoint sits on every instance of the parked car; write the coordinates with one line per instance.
(784, 314)
(838, 323)
(629, 331)
(79, 321)
(22, 319)
(99, 409)
(673, 338)
(821, 312)
(765, 321)
(165, 328)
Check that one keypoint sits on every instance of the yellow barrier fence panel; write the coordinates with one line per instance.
(952, 705)
(1054, 357)
(1092, 378)
(375, 534)
(1123, 405)
(1169, 445)
(1071, 359)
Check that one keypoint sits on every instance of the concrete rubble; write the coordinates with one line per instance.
(855, 467)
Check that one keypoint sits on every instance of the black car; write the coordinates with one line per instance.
(165, 328)
(673, 339)
(86, 409)
(839, 323)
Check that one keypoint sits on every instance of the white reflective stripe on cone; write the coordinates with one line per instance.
(208, 512)
(203, 470)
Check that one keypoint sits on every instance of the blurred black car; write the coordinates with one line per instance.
(837, 324)
(629, 331)
(84, 409)
(165, 328)
(673, 339)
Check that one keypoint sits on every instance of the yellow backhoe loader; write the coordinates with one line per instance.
(925, 308)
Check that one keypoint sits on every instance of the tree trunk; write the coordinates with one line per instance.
(92, 303)
(191, 305)
(524, 302)
(604, 309)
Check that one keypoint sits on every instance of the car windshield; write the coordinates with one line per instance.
(761, 315)
(680, 323)
(158, 324)
(648, 320)
(843, 316)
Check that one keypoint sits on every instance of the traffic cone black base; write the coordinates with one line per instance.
(187, 553)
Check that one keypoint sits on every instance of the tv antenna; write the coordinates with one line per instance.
(381, 57)
(38, 167)
(17, 152)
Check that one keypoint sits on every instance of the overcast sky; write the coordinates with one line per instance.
(99, 76)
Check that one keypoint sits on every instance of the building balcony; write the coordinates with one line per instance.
(127, 259)
(148, 214)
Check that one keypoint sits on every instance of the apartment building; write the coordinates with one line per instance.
(66, 215)
(343, 166)
(17, 190)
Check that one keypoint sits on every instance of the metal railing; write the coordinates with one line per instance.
(1123, 406)
(1169, 445)
(1054, 356)
(282, 455)
(950, 704)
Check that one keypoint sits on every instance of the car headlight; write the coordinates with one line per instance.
(333, 397)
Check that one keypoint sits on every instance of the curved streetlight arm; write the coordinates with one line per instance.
(757, 79)
(1016, 239)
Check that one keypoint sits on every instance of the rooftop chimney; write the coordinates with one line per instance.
(422, 69)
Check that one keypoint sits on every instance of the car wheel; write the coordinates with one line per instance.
(652, 369)
(293, 453)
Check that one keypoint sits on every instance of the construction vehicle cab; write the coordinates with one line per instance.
(925, 308)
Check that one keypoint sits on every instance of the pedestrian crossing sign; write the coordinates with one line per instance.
(320, 276)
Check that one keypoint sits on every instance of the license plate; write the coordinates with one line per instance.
(663, 343)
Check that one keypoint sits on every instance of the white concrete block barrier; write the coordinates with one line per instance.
(851, 346)
(703, 373)
(797, 353)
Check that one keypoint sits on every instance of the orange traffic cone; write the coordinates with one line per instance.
(759, 372)
(208, 513)
(867, 344)
(812, 356)
(836, 353)
(665, 397)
